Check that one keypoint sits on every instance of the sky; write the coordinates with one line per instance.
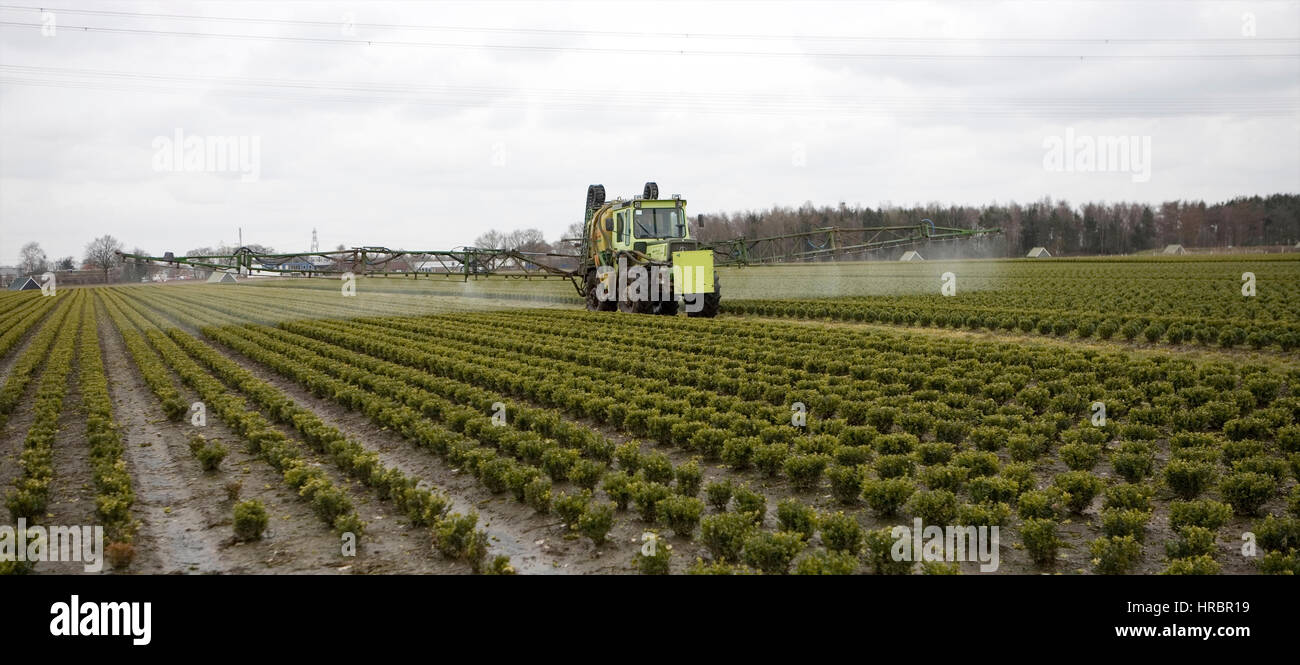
(419, 125)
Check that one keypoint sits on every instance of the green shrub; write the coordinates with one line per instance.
(935, 452)
(596, 521)
(750, 503)
(724, 534)
(657, 468)
(586, 473)
(1128, 497)
(1040, 540)
(1278, 533)
(1115, 555)
(1190, 541)
(738, 452)
(689, 477)
(846, 483)
(628, 456)
(1277, 563)
(886, 495)
(646, 496)
(820, 562)
(841, 533)
(210, 455)
(618, 487)
(1133, 461)
(1246, 491)
(537, 494)
(894, 466)
(945, 476)
(770, 458)
(1118, 522)
(852, 456)
(977, 462)
(936, 507)
(456, 537)
(880, 544)
(556, 462)
(250, 519)
(772, 553)
(718, 494)
(1188, 479)
(1040, 504)
(983, 514)
(1079, 487)
(681, 513)
(805, 471)
(1202, 564)
(1080, 456)
(993, 489)
(570, 507)
(793, 516)
(654, 559)
(1201, 512)
(1263, 465)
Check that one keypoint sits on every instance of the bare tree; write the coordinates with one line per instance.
(101, 254)
(66, 263)
(492, 239)
(33, 259)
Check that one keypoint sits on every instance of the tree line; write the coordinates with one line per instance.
(1090, 229)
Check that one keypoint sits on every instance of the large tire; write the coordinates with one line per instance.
(595, 197)
(712, 302)
(629, 306)
(594, 303)
(651, 191)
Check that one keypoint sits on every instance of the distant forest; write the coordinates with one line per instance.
(1089, 229)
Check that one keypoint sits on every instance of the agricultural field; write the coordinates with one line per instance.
(1108, 416)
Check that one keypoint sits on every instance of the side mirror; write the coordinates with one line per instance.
(609, 224)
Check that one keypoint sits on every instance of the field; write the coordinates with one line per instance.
(1108, 416)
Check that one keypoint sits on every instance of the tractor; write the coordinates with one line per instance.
(638, 257)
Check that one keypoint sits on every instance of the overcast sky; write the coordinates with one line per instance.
(426, 136)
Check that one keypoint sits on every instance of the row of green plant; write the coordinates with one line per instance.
(114, 496)
(32, 359)
(31, 494)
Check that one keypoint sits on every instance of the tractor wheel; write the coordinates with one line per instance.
(651, 191)
(594, 303)
(712, 301)
(595, 197)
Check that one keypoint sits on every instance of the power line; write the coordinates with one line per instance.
(669, 35)
(793, 102)
(668, 52)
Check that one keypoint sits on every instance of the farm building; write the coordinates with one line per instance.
(219, 277)
(1039, 253)
(1174, 249)
(910, 256)
(25, 284)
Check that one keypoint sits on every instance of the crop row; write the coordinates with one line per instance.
(422, 506)
(31, 360)
(113, 494)
(31, 492)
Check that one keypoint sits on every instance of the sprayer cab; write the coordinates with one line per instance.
(639, 256)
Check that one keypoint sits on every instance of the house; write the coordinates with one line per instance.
(1038, 253)
(1174, 249)
(910, 255)
(25, 284)
(219, 277)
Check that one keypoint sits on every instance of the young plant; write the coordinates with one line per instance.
(791, 515)
(1115, 555)
(718, 494)
(595, 522)
(724, 534)
(250, 519)
(1040, 540)
(841, 533)
(772, 553)
(681, 513)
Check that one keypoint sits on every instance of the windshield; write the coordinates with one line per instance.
(658, 223)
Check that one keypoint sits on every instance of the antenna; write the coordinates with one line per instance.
(315, 246)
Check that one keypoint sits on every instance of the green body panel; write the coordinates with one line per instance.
(693, 271)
